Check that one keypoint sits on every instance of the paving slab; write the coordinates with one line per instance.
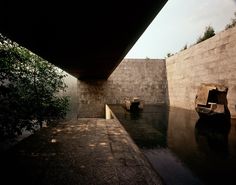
(86, 151)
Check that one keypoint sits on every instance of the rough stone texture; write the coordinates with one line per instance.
(84, 151)
(211, 61)
(145, 78)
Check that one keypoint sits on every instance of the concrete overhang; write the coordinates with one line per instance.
(87, 39)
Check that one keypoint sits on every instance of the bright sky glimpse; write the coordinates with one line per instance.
(181, 22)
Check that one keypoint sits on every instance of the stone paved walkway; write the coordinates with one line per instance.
(86, 151)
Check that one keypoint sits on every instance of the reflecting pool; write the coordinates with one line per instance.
(182, 148)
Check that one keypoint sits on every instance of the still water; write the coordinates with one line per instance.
(183, 149)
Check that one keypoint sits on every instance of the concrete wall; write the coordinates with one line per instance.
(71, 92)
(145, 78)
(211, 61)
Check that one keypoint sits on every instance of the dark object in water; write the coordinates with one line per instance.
(134, 104)
(211, 101)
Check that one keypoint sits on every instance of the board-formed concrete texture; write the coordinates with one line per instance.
(144, 78)
(211, 61)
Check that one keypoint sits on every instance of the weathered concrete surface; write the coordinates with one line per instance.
(211, 61)
(71, 92)
(145, 78)
(87, 151)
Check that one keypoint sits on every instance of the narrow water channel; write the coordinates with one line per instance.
(183, 149)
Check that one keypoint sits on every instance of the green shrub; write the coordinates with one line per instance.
(232, 24)
(209, 32)
(29, 88)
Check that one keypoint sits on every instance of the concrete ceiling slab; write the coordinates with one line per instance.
(87, 39)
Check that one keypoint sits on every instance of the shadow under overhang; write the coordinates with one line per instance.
(86, 39)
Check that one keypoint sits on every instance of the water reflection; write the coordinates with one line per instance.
(212, 136)
(181, 147)
(148, 128)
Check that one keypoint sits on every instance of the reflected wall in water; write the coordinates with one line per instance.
(212, 136)
(147, 127)
(181, 147)
(203, 145)
(181, 132)
(232, 139)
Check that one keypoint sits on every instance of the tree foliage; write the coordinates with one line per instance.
(184, 48)
(29, 88)
(209, 32)
(232, 24)
(169, 55)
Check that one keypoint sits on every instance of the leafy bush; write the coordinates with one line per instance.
(29, 88)
(169, 55)
(209, 32)
(184, 48)
(232, 24)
